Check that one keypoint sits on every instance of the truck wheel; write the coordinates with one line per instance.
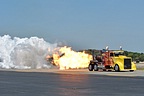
(116, 68)
(131, 70)
(95, 67)
(90, 67)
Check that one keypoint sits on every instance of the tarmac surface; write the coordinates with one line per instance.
(54, 82)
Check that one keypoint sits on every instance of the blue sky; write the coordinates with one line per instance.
(81, 24)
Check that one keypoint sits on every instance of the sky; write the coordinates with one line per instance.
(81, 24)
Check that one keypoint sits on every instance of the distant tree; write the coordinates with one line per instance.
(126, 53)
(141, 57)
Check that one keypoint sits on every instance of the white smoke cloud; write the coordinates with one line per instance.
(24, 53)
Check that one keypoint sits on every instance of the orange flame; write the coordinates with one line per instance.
(71, 59)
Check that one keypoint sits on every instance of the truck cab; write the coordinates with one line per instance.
(122, 62)
(112, 60)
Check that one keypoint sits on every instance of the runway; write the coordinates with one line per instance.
(137, 73)
(80, 82)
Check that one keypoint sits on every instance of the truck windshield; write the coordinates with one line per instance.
(119, 53)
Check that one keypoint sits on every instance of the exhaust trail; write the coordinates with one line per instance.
(25, 53)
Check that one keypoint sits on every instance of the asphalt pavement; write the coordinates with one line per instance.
(68, 83)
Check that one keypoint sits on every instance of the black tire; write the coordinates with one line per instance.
(95, 67)
(116, 68)
(90, 67)
(131, 70)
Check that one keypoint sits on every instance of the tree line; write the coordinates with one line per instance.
(138, 57)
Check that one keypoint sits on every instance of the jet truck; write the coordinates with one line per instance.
(111, 60)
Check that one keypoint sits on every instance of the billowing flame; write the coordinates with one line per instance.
(71, 59)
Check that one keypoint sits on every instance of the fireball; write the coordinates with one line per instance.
(71, 59)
